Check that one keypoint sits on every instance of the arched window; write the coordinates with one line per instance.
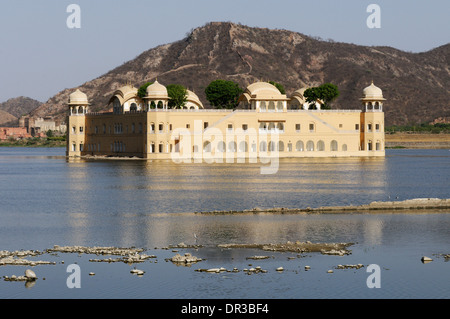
(243, 146)
(320, 146)
(272, 146)
(207, 147)
(378, 146)
(271, 107)
(289, 147)
(310, 146)
(280, 106)
(299, 146)
(221, 146)
(280, 127)
(263, 106)
(280, 146)
(262, 126)
(263, 146)
(334, 145)
(133, 107)
(344, 147)
(271, 126)
(116, 106)
(369, 145)
(160, 105)
(294, 105)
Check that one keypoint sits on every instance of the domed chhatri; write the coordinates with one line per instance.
(156, 90)
(373, 98)
(78, 98)
(373, 92)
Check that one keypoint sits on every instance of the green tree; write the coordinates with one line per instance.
(142, 91)
(177, 95)
(279, 86)
(326, 93)
(49, 133)
(311, 96)
(223, 94)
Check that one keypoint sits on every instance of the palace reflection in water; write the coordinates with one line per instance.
(150, 201)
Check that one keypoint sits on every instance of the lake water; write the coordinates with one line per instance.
(47, 200)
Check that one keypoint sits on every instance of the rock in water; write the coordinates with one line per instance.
(30, 274)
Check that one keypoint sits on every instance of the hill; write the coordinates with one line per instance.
(7, 119)
(13, 109)
(414, 84)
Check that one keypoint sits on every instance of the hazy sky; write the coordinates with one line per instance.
(40, 55)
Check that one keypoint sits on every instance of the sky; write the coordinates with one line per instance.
(40, 55)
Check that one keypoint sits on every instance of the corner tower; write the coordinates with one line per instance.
(76, 129)
(372, 121)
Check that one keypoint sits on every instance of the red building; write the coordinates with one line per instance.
(14, 132)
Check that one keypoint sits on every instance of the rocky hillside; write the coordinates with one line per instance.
(7, 119)
(414, 84)
(13, 109)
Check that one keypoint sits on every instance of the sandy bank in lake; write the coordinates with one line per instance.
(418, 141)
(410, 205)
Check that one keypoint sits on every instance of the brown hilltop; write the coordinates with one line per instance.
(414, 84)
(12, 109)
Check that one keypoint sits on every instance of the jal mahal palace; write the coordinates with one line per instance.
(265, 122)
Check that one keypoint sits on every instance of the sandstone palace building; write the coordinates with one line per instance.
(266, 122)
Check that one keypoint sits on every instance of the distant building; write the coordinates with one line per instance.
(40, 125)
(265, 122)
(13, 132)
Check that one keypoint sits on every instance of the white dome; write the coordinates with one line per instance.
(372, 92)
(78, 98)
(157, 90)
(262, 88)
(193, 100)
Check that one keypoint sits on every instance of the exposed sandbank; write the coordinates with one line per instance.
(410, 205)
(418, 140)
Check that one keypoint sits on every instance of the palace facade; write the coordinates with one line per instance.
(265, 123)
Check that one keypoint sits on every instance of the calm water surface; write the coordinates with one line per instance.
(47, 200)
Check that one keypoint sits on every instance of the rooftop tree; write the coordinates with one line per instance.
(223, 94)
(325, 93)
(142, 91)
(279, 86)
(177, 95)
